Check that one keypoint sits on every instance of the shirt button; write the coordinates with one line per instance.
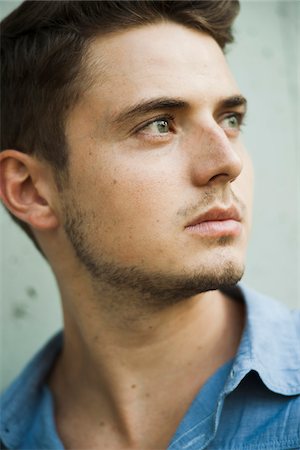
(232, 373)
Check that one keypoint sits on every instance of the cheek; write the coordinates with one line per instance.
(137, 211)
(244, 187)
(141, 200)
(248, 179)
(138, 188)
(129, 202)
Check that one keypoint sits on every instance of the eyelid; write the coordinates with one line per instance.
(240, 116)
(142, 126)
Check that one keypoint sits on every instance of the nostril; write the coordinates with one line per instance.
(219, 176)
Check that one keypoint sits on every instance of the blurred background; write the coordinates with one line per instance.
(265, 60)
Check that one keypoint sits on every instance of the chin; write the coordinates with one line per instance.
(216, 272)
(159, 289)
(162, 290)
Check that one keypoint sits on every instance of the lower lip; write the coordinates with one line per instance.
(216, 228)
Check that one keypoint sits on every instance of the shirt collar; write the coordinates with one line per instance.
(269, 345)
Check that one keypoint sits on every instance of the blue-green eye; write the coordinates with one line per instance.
(160, 126)
(233, 121)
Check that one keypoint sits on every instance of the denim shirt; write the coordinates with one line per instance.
(250, 403)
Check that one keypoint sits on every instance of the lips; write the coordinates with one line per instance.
(217, 214)
(217, 222)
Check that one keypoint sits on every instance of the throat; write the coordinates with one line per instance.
(111, 386)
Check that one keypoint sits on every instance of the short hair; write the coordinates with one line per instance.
(43, 47)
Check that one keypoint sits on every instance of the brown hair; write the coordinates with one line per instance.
(43, 44)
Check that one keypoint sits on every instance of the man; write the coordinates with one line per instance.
(122, 160)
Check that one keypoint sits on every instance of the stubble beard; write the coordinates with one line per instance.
(151, 289)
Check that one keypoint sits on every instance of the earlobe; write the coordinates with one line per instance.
(23, 190)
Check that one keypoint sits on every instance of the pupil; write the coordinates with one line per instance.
(233, 121)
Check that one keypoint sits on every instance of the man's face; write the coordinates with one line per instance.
(139, 175)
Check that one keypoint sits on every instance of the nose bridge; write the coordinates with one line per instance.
(215, 156)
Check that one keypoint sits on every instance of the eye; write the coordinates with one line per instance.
(160, 126)
(233, 121)
(157, 127)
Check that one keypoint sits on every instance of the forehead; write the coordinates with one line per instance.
(156, 60)
(152, 61)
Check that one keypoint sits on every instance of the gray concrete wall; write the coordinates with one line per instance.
(265, 60)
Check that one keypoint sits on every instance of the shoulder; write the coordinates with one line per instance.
(271, 342)
(20, 402)
(263, 393)
(268, 315)
(255, 418)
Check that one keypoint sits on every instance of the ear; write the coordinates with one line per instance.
(26, 189)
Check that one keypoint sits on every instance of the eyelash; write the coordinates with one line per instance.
(239, 116)
(167, 117)
(170, 118)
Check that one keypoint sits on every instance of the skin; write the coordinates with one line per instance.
(132, 191)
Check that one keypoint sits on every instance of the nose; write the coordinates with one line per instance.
(216, 158)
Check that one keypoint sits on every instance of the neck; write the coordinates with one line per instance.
(124, 354)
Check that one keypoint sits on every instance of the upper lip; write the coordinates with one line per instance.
(217, 214)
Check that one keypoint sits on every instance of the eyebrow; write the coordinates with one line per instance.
(148, 106)
(233, 102)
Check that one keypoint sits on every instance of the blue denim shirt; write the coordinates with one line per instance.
(250, 403)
